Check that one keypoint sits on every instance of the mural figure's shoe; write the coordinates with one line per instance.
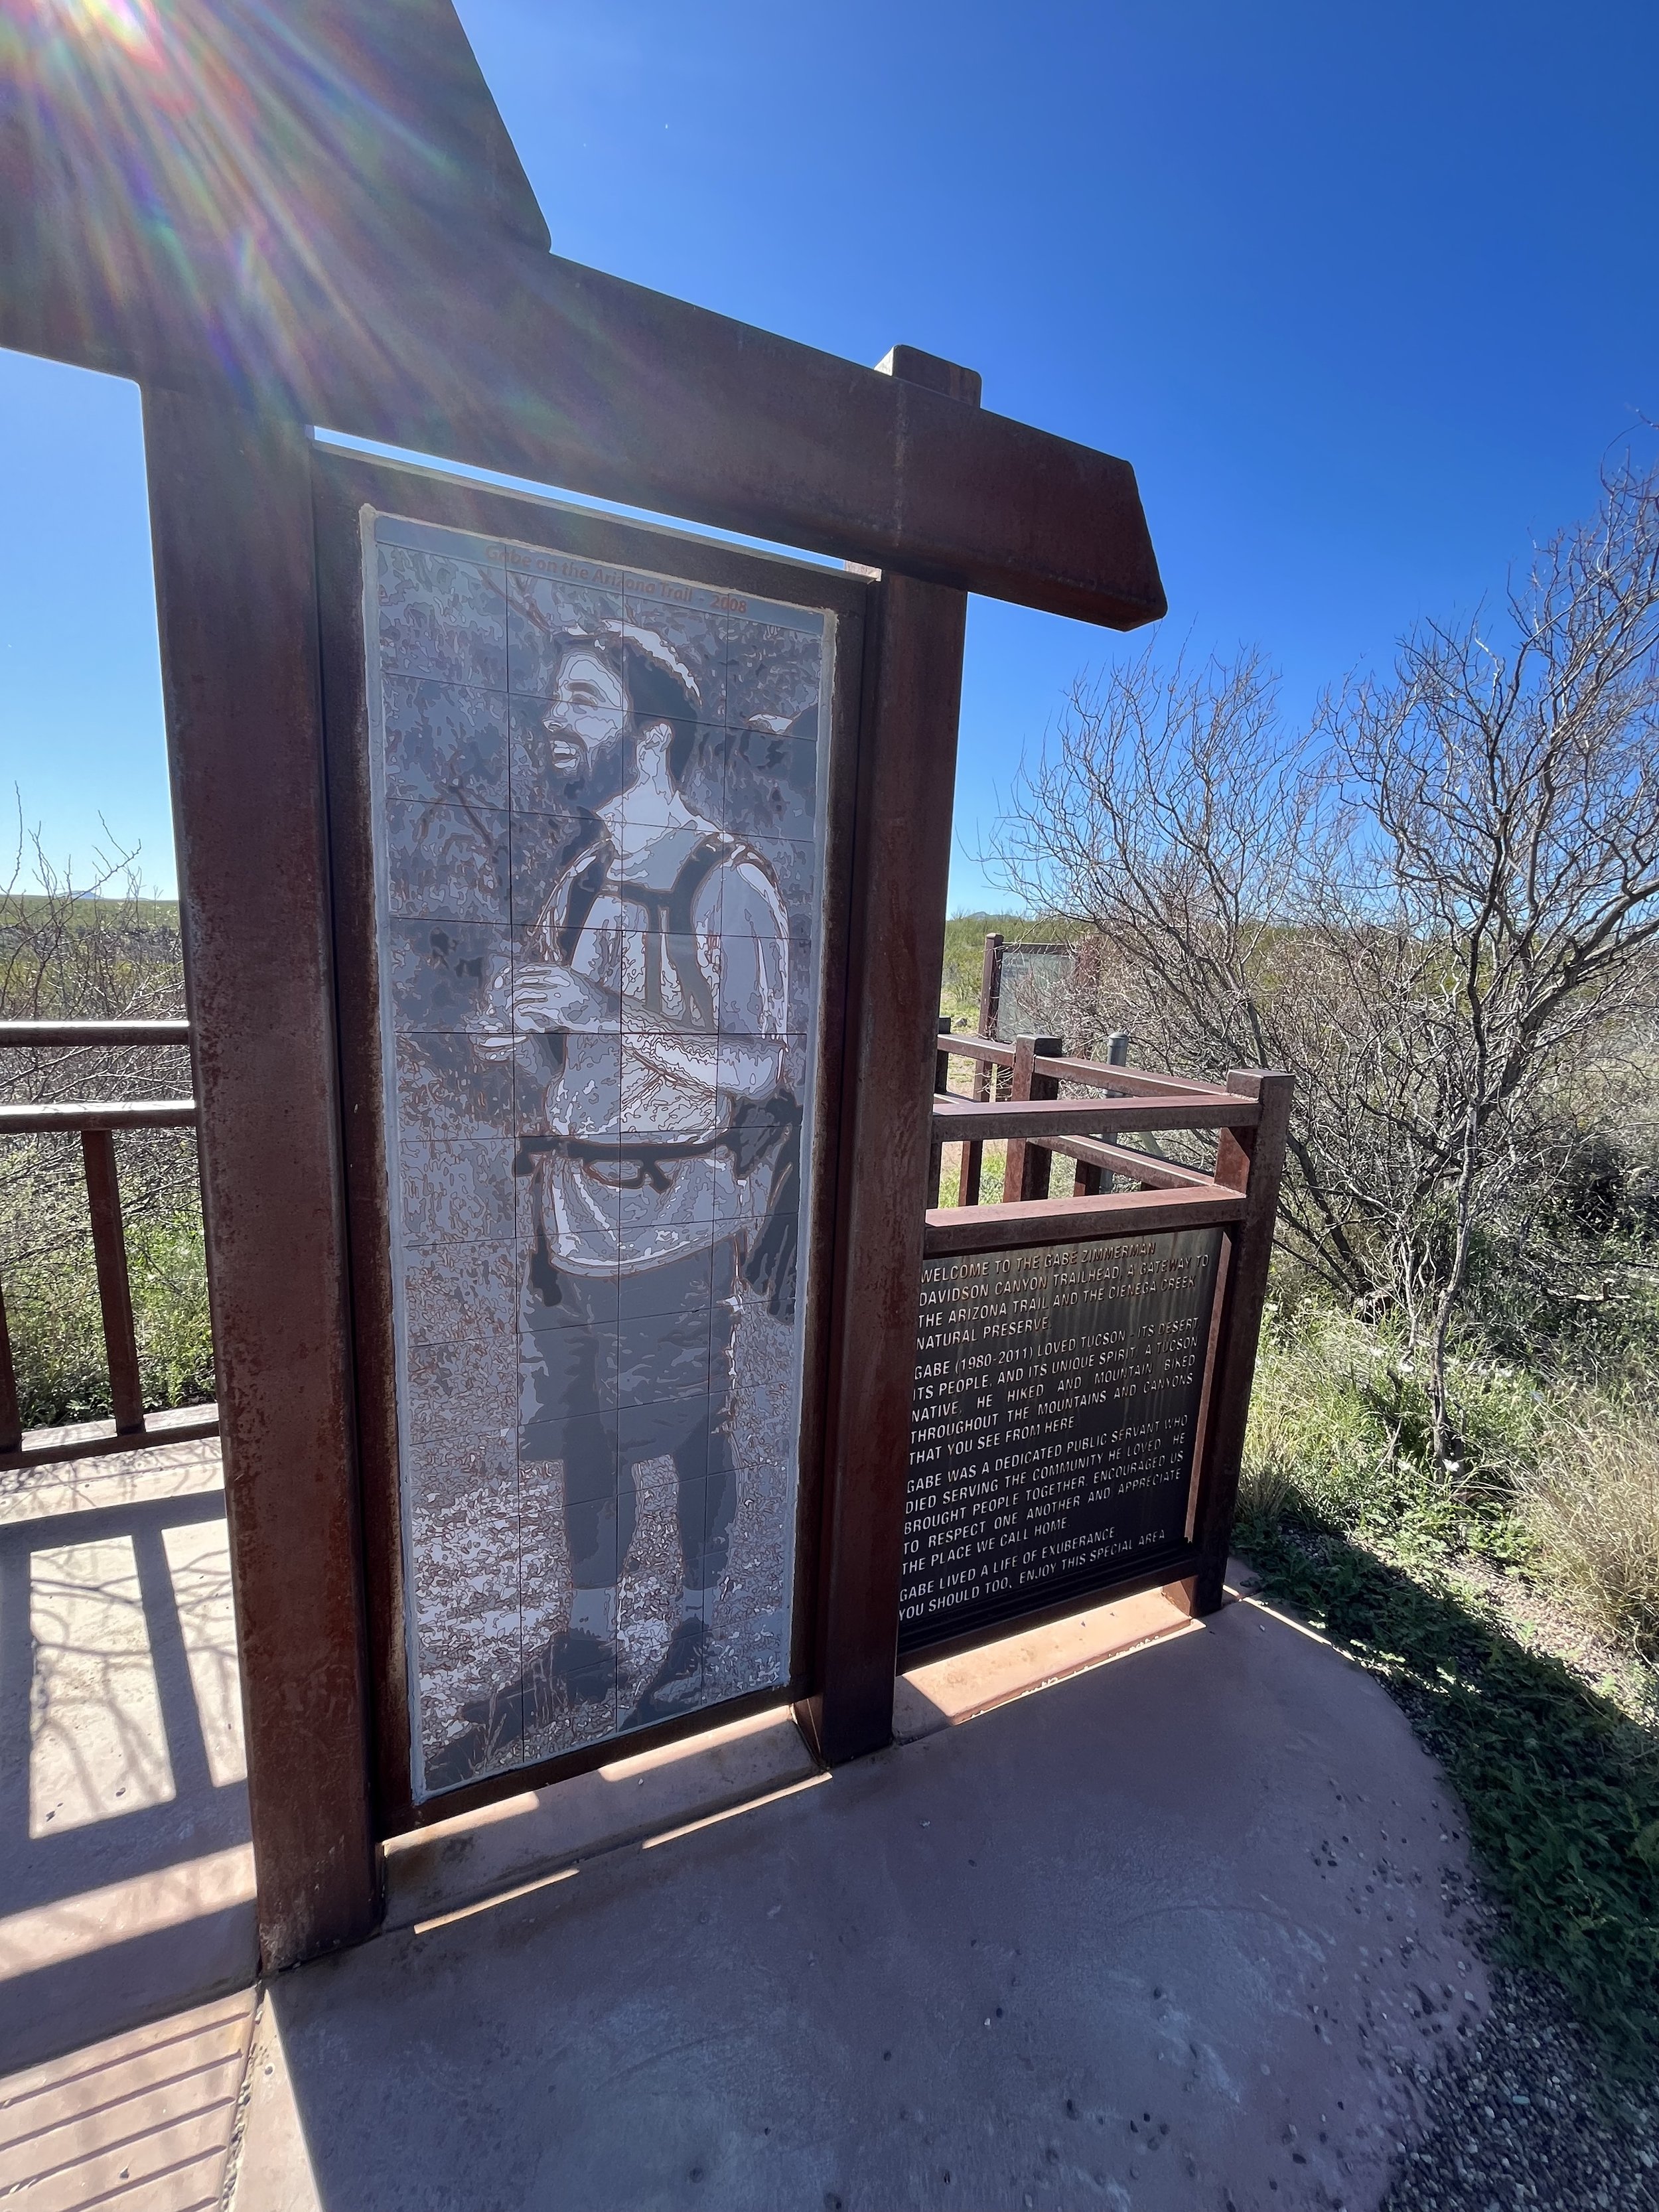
(681, 1663)
(586, 1666)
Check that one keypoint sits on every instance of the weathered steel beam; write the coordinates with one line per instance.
(906, 756)
(155, 225)
(231, 514)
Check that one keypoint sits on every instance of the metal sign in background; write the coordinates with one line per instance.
(1058, 1392)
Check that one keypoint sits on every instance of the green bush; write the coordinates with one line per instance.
(1340, 1420)
(57, 1332)
(1349, 1518)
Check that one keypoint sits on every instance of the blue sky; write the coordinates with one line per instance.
(1363, 294)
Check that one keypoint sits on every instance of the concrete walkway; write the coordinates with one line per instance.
(127, 1879)
(1166, 1933)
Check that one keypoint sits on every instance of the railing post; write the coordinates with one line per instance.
(941, 1085)
(1091, 1181)
(11, 1420)
(990, 986)
(1026, 1173)
(1252, 1161)
(109, 1253)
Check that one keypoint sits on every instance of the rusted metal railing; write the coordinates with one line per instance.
(1015, 1097)
(97, 1122)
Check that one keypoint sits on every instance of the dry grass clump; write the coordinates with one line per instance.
(1591, 1506)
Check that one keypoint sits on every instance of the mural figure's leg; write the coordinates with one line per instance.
(697, 1432)
(570, 1379)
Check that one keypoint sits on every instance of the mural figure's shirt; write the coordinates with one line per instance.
(653, 988)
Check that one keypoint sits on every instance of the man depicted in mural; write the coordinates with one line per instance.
(658, 1153)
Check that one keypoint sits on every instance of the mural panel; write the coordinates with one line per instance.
(599, 838)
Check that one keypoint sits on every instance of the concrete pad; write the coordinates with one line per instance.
(126, 1876)
(442, 1869)
(941, 1693)
(144, 2119)
(1157, 1936)
(91, 1486)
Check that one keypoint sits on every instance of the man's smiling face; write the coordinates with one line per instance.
(588, 709)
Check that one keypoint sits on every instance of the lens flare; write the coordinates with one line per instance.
(131, 23)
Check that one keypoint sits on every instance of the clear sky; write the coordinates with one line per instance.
(1363, 293)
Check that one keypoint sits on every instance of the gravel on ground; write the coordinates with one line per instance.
(1527, 2112)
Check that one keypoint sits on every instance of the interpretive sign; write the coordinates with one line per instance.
(597, 819)
(1056, 1410)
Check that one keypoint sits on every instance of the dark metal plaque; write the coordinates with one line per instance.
(1055, 1416)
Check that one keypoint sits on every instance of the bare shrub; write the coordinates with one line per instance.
(1438, 907)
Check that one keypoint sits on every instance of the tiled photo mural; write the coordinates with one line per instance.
(597, 837)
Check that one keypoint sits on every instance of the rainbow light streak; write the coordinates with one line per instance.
(247, 161)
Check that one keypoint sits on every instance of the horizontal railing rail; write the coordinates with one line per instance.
(961, 1121)
(94, 1114)
(1076, 1221)
(1016, 1101)
(105, 1033)
(97, 1121)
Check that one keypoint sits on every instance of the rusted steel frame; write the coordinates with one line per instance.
(109, 1254)
(1145, 1168)
(1119, 1078)
(1131, 1081)
(60, 1033)
(231, 523)
(449, 338)
(1250, 1161)
(960, 1118)
(342, 483)
(906, 753)
(94, 1114)
(1025, 1171)
(11, 1418)
(952, 1230)
(990, 1056)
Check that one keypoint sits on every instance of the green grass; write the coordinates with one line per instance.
(57, 1332)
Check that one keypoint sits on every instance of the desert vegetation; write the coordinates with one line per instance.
(1436, 902)
(95, 950)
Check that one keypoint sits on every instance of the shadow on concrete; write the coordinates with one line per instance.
(125, 1875)
(1167, 1933)
(1561, 1786)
